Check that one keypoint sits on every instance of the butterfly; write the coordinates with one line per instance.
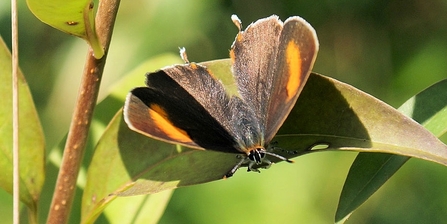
(187, 105)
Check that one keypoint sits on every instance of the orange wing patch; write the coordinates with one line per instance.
(162, 122)
(293, 57)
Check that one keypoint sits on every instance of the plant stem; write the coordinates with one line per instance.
(15, 113)
(77, 136)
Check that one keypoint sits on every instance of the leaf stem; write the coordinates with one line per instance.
(82, 116)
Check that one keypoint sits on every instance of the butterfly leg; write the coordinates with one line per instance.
(235, 168)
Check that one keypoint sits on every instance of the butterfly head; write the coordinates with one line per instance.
(256, 156)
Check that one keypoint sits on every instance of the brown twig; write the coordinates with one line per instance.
(82, 116)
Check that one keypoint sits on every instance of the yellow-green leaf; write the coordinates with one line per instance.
(75, 17)
(31, 138)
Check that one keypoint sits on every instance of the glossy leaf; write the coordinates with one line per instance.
(345, 118)
(328, 114)
(75, 17)
(31, 138)
(370, 171)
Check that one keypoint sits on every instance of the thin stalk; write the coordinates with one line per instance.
(15, 112)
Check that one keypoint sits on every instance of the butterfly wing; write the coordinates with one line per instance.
(271, 62)
(297, 51)
(180, 105)
(251, 55)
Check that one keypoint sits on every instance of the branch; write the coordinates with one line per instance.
(77, 136)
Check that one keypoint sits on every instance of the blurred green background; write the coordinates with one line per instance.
(390, 49)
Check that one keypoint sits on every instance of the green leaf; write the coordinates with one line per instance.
(329, 114)
(144, 209)
(329, 110)
(31, 138)
(369, 172)
(429, 108)
(75, 17)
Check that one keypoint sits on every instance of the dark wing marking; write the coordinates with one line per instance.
(167, 110)
(232, 114)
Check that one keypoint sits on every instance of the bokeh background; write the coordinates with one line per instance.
(390, 49)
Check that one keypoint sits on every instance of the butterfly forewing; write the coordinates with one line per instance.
(271, 63)
(298, 46)
(252, 53)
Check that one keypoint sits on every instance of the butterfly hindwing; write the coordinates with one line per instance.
(144, 115)
(174, 111)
